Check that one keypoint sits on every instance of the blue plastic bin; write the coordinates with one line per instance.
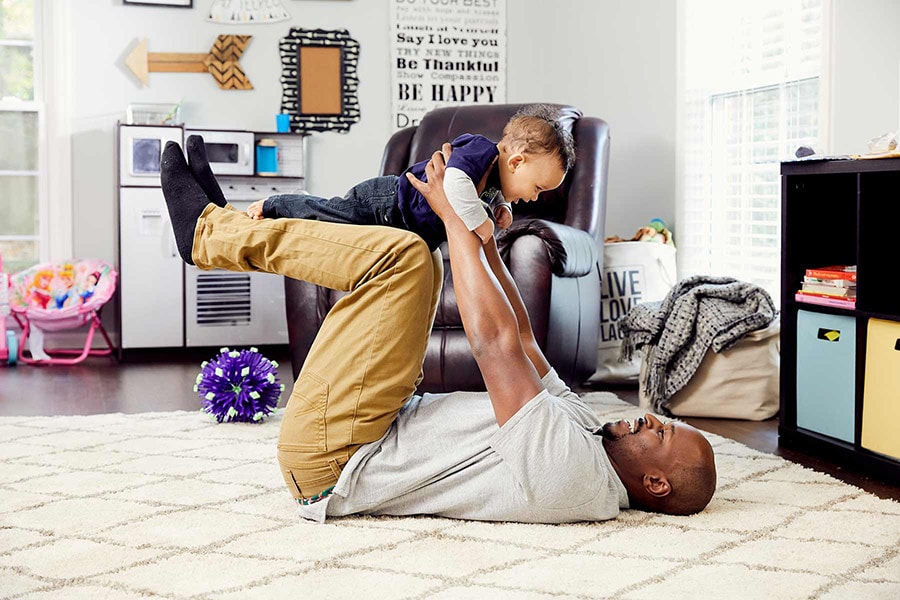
(826, 374)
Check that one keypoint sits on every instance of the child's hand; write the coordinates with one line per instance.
(255, 210)
(503, 216)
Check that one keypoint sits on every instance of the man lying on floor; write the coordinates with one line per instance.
(354, 437)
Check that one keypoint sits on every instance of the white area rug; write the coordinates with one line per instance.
(175, 506)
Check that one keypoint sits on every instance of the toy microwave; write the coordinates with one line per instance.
(229, 152)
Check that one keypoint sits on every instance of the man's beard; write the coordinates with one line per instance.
(624, 426)
(608, 434)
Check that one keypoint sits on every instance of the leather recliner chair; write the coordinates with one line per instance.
(551, 250)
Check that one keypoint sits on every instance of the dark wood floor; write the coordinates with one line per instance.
(164, 382)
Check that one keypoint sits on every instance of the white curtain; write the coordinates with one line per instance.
(749, 97)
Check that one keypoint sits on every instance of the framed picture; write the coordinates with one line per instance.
(319, 79)
(166, 3)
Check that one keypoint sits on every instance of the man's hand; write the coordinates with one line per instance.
(433, 189)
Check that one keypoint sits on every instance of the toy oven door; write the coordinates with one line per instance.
(140, 152)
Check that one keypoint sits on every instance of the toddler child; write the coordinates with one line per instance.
(532, 156)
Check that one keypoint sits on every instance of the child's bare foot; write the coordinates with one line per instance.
(255, 210)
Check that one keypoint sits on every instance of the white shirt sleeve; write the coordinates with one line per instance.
(556, 386)
(463, 198)
(569, 401)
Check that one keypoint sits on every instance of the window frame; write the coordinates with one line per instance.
(52, 75)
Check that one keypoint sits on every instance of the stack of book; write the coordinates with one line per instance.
(829, 286)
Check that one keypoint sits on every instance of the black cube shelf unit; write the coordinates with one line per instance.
(842, 212)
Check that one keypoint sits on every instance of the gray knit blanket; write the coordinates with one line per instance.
(699, 313)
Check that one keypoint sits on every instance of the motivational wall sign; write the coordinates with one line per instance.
(446, 53)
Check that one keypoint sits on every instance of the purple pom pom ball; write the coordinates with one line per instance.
(239, 386)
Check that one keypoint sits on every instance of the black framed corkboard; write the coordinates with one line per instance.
(319, 79)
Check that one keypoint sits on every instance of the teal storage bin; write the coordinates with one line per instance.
(826, 374)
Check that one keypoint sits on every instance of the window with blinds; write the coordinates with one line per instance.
(749, 98)
(20, 114)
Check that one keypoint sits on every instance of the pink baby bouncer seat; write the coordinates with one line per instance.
(58, 297)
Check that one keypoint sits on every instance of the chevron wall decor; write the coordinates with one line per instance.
(222, 62)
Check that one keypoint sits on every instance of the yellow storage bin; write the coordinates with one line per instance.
(881, 398)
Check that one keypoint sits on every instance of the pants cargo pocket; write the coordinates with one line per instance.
(310, 479)
(303, 427)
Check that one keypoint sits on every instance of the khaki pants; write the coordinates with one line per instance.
(367, 358)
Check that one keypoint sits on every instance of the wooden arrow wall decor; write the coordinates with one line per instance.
(222, 62)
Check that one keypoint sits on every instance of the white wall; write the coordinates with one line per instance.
(104, 31)
(614, 60)
(864, 91)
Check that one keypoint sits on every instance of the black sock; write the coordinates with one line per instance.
(184, 198)
(199, 165)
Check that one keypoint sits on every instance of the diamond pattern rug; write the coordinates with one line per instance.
(173, 505)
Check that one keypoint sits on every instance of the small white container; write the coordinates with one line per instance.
(153, 113)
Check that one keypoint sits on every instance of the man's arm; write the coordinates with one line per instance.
(463, 197)
(526, 334)
(487, 315)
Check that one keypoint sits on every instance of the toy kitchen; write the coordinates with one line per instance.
(165, 303)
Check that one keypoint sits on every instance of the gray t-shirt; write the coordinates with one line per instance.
(445, 455)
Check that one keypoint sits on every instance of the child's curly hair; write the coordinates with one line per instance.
(535, 128)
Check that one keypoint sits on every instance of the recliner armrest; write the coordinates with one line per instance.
(572, 252)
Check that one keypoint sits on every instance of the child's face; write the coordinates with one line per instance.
(524, 176)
